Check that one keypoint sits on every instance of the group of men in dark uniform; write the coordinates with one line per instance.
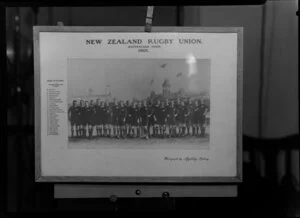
(168, 118)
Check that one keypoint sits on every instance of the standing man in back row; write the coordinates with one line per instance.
(115, 122)
(171, 119)
(90, 118)
(144, 119)
(73, 117)
(189, 119)
(122, 120)
(128, 119)
(151, 119)
(135, 120)
(97, 117)
(107, 119)
(200, 113)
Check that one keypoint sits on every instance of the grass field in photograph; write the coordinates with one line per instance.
(186, 143)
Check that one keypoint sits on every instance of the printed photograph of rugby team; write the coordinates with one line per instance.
(138, 99)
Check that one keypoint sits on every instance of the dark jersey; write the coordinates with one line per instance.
(115, 111)
(93, 116)
(161, 115)
(135, 116)
(85, 114)
(186, 111)
(108, 113)
(90, 113)
(144, 112)
(192, 108)
(151, 115)
(156, 111)
(80, 113)
(139, 112)
(73, 111)
(129, 114)
(144, 115)
(170, 114)
(179, 113)
(170, 111)
(121, 116)
(97, 112)
(200, 113)
(94, 110)
(201, 109)
(102, 114)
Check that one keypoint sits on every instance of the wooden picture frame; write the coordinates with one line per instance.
(40, 66)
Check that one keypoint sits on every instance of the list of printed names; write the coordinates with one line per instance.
(54, 106)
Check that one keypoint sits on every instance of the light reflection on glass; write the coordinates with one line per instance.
(192, 71)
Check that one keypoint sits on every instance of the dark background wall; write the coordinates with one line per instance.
(270, 91)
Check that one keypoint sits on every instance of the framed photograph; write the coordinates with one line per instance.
(117, 104)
